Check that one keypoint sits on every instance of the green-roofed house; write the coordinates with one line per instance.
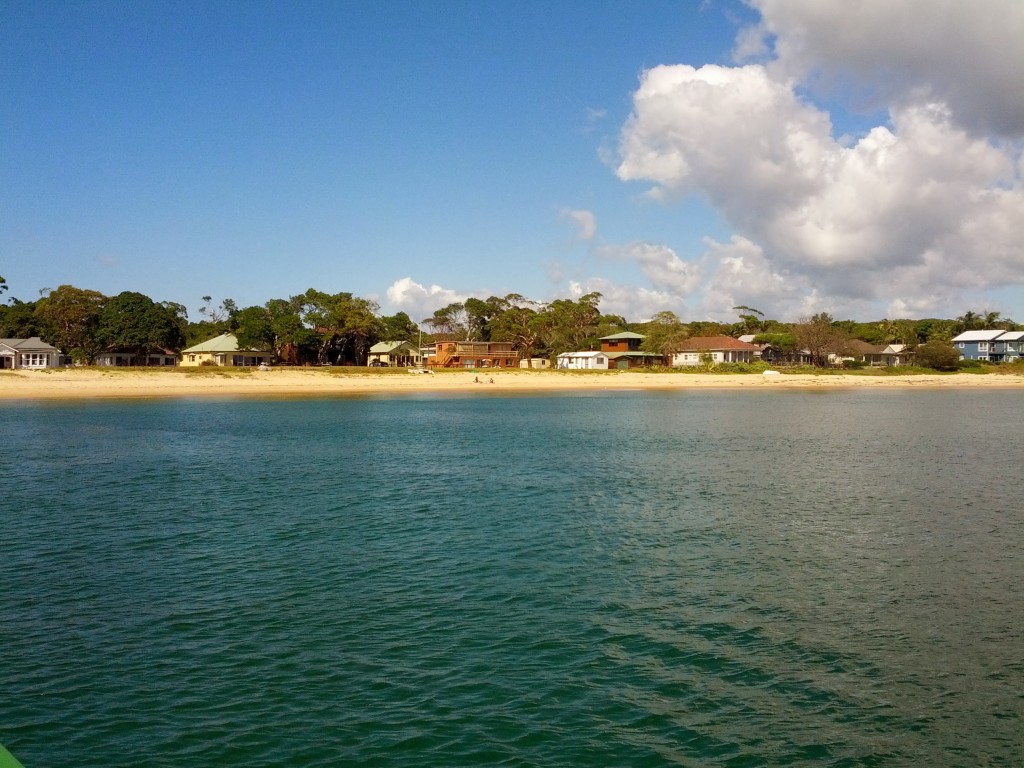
(394, 354)
(223, 350)
(623, 351)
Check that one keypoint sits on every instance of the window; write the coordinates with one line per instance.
(34, 360)
(960, 345)
(983, 346)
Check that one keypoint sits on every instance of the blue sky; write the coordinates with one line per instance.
(424, 152)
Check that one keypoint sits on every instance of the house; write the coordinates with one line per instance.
(992, 345)
(31, 353)
(623, 351)
(223, 350)
(876, 354)
(473, 354)
(715, 350)
(1007, 348)
(536, 363)
(394, 354)
(582, 361)
(118, 359)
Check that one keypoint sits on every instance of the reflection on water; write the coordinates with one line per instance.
(630, 579)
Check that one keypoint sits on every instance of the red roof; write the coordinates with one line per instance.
(714, 344)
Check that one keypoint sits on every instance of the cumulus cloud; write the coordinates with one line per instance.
(418, 301)
(585, 222)
(966, 55)
(910, 215)
(659, 263)
(631, 302)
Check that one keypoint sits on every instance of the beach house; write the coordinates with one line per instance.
(714, 350)
(994, 346)
(223, 350)
(623, 351)
(394, 354)
(473, 354)
(582, 361)
(32, 352)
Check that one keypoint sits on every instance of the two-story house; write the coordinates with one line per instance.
(623, 351)
(992, 345)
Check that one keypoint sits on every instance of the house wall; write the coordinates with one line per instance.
(244, 359)
(590, 363)
(690, 359)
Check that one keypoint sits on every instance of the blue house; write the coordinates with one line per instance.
(994, 346)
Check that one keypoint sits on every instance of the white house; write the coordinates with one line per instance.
(582, 361)
(32, 352)
(714, 349)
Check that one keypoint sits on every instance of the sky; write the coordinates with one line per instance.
(859, 157)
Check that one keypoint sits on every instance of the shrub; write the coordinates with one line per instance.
(939, 356)
(968, 363)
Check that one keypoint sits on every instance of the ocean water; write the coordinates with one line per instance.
(627, 579)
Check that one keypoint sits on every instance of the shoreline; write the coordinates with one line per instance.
(104, 384)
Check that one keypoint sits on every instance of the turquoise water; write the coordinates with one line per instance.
(639, 579)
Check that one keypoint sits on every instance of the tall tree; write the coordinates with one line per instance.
(517, 323)
(665, 334)
(569, 326)
(133, 321)
(819, 337)
(398, 327)
(451, 321)
(73, 315)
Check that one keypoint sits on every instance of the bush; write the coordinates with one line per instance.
(939, 356)
(968, 363)
(854, 364)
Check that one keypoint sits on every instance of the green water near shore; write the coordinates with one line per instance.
(785, 578)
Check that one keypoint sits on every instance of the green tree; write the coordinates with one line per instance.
(665, 334)
(517, 323)
(398, 327)
(751, 320)
(72, 316)
(18, 320)
(940, 355)
(346, 325)
(133, 321)
(568, 326)
(254, 328)
(452, 322)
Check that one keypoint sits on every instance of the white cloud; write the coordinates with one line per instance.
(631, 302)
(585, 222)
(418, 301)
(915, 211)
(659, 264)
(967, 55)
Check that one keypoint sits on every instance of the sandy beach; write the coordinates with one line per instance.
(94, 383)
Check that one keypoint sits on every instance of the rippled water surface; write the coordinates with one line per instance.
(736, 579)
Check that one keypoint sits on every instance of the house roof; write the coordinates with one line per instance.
(226, 342)
(383, 347)
(583, 354)
(31, 343)
(634, 353)
(624, 335)
(714, 344)
(861, 347)
(979, 335)
(1012, 336)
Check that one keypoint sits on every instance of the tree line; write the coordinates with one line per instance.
(339, 328)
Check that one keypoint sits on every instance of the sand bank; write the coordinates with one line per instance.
(94, 383)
